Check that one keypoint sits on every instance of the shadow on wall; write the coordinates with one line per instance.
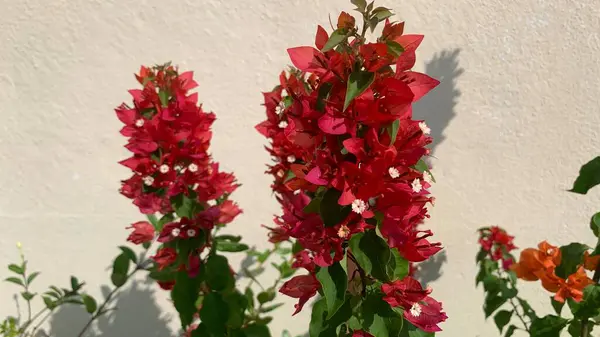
(437, 109)
(137, 315)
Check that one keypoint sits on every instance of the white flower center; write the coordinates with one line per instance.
(191, 232)
(195, 186)
(343, 232)
(193, 167)
(148, 180)
(359, 206)
(280, 173)
(164, 168)
(423, 126)
(394, 173)
(291, 158)
(427, 177)
(550, 251)
(283, 124)
(139, 123)
(416, 186)
(175, 232)
(415, 310)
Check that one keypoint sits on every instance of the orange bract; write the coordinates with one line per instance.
(573, 288)
(590, 262)
(535, 262)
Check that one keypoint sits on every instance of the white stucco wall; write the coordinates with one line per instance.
(516, 115)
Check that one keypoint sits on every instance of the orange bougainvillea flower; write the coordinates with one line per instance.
(590, 262)
(534, 263)
(573, 288)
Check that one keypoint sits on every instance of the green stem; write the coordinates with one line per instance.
(521, 318)
(586, 327)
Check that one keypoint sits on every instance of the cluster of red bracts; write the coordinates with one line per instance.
(320, 141)
(498, 244)
(169, 135)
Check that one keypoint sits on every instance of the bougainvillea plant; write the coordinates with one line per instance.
(350, 176)
(563, 271)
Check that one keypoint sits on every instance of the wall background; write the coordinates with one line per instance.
(516, 115)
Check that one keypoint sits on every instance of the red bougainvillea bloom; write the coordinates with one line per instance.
(302, 287)
(421, 310)
(498, 244)
(347, 153)
(143, 231)
(173, 176)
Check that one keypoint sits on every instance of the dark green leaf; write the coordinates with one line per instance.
(324, 90)
(313, 206)
(27, 295)
(358, 82)
(556, 305)
(231, 247)
(237, 304)
(502, 318)
(249, 293)
(163, 221)
(129, 253)
(255, 330)
(595, 224)
(375, 314)
(331, 212)
(372, 253)
(492, 303)
(50, 304)
(547, 326)
(184, 294)
(372, 23)
(590, 305)
(15, 280)
(337, 36)
(401, 266)
(589, 176)
(184, 206)
(360, 4)
(571, 257)
(510, 331)
(218, 273)
(382, 13)
(153, 220)
(394, 48)
(334, 281)
(527, 309)
(412, 331)
(90, 303)
(214, 314)
(162, 275)
(232, 238)
(266, 296)
(16, 269)
(575, 328)
(270, 308)
(32, 277)
(120, 270)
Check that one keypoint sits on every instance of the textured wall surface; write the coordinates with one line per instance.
(516, 115)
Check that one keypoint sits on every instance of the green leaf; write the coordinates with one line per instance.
(256, 330)
(595, 224)
(271, 307)
(572, 255)
(185, 294)
(90, 303)
(214, 313)
(32, 277)
(331, 212)
(237, 304)
(360, 4)
(589, 176)
(232, 238)
(163, 221)
(382, 13)
(358, 82)
(218, 273)
(334, 281)
(129, 253)
(266, 296)
(502, 318)
(421, 166)
(324, 90)
(153, 220)
(590, 305)
(547, 326)
(50, 304)
(372, 253)
(374, 314)
(184, 206)
(492, 303)
(164, 98)
(575, 328)
(556, 305)
(16, 269)
(249, 293)
(162, 275)
(412, 331)
(394, 48)
(527, 309)
(120, 270)
(510, 331)
(401, 266)
(27, 295)
(313, 206)
(15, 280)
(337, 36)
(392, 130)
(231, 247)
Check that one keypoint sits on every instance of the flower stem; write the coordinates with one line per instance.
(585, 323)
(521, 318)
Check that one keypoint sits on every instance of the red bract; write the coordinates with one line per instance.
(348, 156)
(497, 244)
(173, 175)
(302, 287)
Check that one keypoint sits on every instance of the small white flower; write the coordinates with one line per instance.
(283, 124)
(394, 173)
(193, 167)
(280, 173)
(415, 310)
(427, 177)
(550, 251)
(291, 158)
(148, 180)
(191, 232)
(343, 232)
(423, 126)
(195, 186)
(416, 186)
(164, 168)
(359, 206)
(139, 123)
(175, 232)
